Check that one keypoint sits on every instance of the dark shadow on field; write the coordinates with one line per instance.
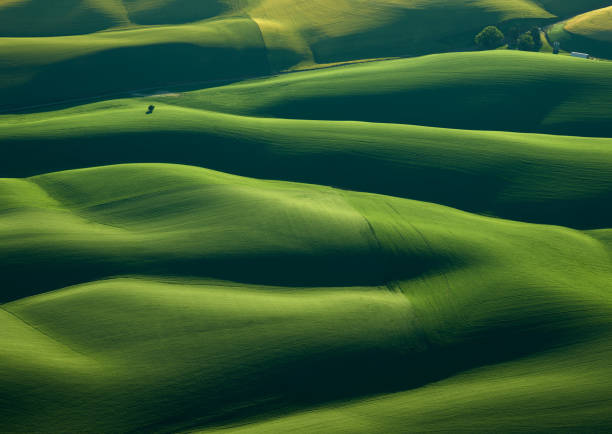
(277, 374)
(57, 18)
(33, 271)
(174, 11)
(594, 47)
(304, 381)
(398, 37)
(413, 32)
(296, 376)
(397, 174)
(266, 379)
(457, 104)
(128, 69)
(565, 9)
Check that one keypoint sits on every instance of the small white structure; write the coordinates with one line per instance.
(581, 55)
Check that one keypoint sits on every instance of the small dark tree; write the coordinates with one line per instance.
(537, 38)
(512, 36)
(556, 47)
(525, 42)
(490, 37)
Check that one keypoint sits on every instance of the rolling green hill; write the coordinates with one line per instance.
(311, 21)
(596, 24)
(289, 243)
(493, 90)
(88, 48)
(22, 18)
(535, 178)
(590, 32)
(333, 285)
(43, 70)
(326, 31)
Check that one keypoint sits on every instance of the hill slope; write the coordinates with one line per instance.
(352, 29)
(84, 49)
(590, 32)
(419, 245)
(365, 281)
(495, 90)
(43, 70)
(535, 178)
(22, 18)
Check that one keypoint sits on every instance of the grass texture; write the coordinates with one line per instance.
(528, 177)
(324, 295)
(403, 245)
(42, 70)
(590, 32)
(89, 48)
(493, 90)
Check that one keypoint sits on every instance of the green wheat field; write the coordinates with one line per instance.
(305, 216)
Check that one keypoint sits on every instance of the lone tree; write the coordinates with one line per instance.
(526, 43)
(490, 37)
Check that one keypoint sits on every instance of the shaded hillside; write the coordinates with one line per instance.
(494, 90)
(536, 178)
(43, 70)
(84, 49)
(587, 33)
(367, 281)
(210, 223)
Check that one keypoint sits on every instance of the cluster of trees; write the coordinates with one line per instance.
(491, 37)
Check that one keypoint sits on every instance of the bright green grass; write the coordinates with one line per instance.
(569, 8)
(536, 178)
(587, 33)
(563, 391)
(494, 90)
(57, 53)
(596, 24)
(168, 298)
(343, 295)
(352, 29)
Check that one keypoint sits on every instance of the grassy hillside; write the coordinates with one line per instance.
(334, 285)
(42, 70)
(72, 17)
(289, 244)
(533, 390)
(63, 17)
(353, 29)
(314, 21)
(87, 48)
(494, 90)
(590, 32)
(535, 178)
(596, 24)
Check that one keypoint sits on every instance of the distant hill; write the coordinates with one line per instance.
(494, 90)
(142, 44)
(42, 70)
(536, 178)
(590, 32)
